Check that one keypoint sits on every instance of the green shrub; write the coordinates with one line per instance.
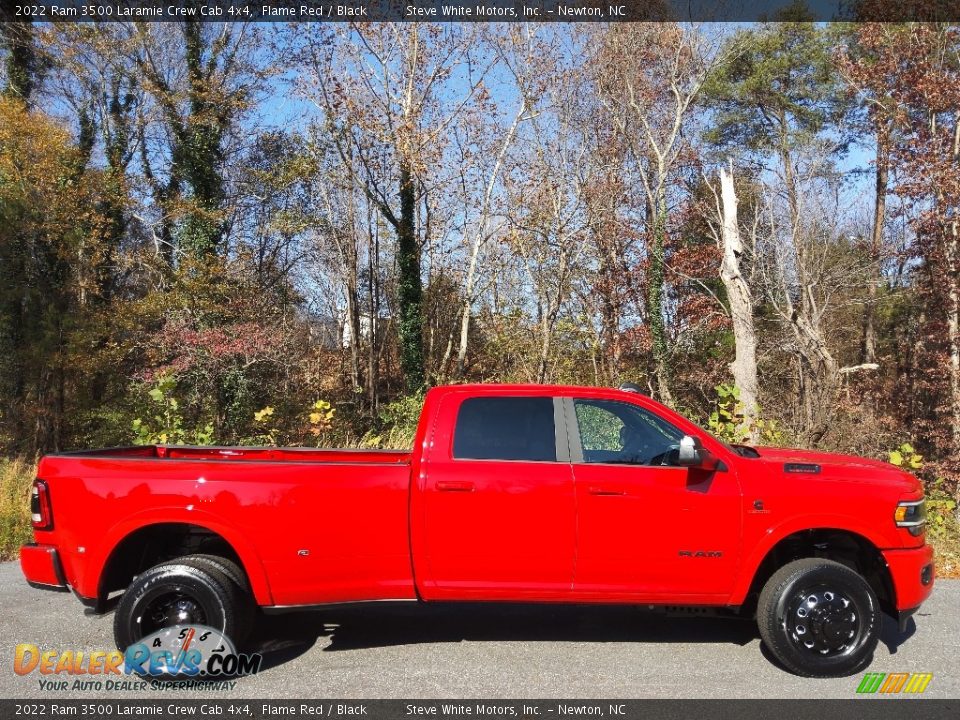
(397, 424)
(166, 425)
(943, 528)
(728, 422)
(906, 458)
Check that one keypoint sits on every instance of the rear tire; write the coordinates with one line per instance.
(245, 607)
(819, 618)
(224, 565)
(186, 590)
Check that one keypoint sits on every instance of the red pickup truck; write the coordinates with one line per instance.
(511, 493)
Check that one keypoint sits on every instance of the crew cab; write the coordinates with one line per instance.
(511, 493)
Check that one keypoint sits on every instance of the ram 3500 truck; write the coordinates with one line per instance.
(511, 493)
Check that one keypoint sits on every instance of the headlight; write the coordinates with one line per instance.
(911, 514)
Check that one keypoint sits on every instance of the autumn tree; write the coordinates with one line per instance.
(24, 65)
(612, 291)
(519, 51)
(105, 98)
(167, 99)
(200, 109)
(870, 68)
(777, 103)
(46, 248)
(390, 94)
(649, 77)
(342, 222)
(926, 93)
(548, 218)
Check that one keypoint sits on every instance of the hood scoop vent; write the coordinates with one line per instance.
(802, 468)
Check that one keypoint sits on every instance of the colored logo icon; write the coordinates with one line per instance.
(892, 683)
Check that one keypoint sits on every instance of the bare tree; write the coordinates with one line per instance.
(726, 230)
(548, 217)
(516, 52)
(806, 269)
(391, 93)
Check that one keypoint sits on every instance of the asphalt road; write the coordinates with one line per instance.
(470, 651)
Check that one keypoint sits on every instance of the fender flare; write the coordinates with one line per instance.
(760, 551)
(246, 552)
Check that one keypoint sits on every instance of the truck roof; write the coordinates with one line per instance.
(526, 388)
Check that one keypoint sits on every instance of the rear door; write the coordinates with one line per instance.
(497, 501)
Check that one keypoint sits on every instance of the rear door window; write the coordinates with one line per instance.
(506, 428)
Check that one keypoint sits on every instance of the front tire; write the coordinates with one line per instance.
(181, 591)
(819, 618)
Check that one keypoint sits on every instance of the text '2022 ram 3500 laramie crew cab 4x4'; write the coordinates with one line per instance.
(511, 493)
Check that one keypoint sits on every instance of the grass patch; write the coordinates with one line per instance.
(16, 477)
(946, 557)
(943, 532)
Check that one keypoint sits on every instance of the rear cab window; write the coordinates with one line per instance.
(506, 428)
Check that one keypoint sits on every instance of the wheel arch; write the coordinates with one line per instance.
(846, 546)
(145, 541)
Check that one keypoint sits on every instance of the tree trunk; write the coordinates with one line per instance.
(817, 396)
(610, 348)
(353, 318)
(22, 62)
(953, 309)
(409, 285)
(373, 304)
(655, 290)
(546, 338)
(468, 303)
(349, 258)
(744, 365)
(868, 351)
(199, 141)
(953, 333)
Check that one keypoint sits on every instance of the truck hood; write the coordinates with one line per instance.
(834, 466)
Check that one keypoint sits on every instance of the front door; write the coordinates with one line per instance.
(647, 527)
(498, 502)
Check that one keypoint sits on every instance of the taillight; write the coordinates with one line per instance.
(41, 513)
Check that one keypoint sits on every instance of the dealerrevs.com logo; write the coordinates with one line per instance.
(894, 683)
(169, 657)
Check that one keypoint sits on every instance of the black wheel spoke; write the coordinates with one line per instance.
(172, 608)
(823, 620)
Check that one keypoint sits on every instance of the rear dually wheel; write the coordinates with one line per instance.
(189, 590)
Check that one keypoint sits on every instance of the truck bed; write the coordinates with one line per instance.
(249, 454)
(322, 525)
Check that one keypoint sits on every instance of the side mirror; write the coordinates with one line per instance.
(693, 454)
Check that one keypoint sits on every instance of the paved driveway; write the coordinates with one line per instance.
(470, 651)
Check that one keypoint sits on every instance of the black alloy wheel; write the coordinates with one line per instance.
(819, 618)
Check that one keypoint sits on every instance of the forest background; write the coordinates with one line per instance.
(266, 234)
